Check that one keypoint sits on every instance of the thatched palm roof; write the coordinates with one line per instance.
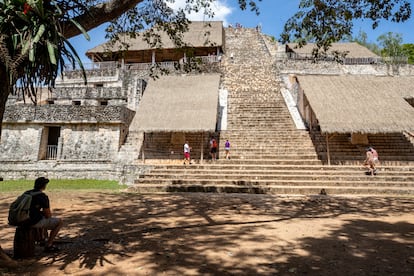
(360, 104)
(353, 49)
(200, 34)
(179, 104)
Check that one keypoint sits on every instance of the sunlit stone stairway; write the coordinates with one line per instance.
(268, 153)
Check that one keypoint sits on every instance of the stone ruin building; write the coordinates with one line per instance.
(263, 96)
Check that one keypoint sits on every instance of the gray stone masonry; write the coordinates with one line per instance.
(89, 93)
(20, 142)
(67, 114)
(290, 66)
(92, 169)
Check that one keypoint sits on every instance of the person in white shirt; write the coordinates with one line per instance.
(187, 150)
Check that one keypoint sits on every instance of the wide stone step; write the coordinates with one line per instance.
(259, 162)
(275, 161)
(288, 141)
(360, 179)
(275, 156)
(252, 126)
(274, 189)
(272, 132)
(249, 115)
(382, 158)
(254, 110)
(267, 106)
(254, 164)
(265, 120)
(292, 148)
(272, 153)
(258, 122)
(178, 170)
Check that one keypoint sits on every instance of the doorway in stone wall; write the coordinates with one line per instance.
(53, 134)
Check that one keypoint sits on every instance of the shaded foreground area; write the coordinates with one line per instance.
(223, 234)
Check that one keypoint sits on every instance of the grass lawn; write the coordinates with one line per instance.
(61, 184)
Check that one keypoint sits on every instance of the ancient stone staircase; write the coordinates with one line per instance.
(130, 150)
(231, 177)
(394, 149)
(268, 154)
(259, 123)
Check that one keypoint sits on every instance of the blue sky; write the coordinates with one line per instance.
(273, 15)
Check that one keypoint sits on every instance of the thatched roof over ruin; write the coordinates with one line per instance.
(353, 49)
(360, 104)
(200, 34)
(179, 104)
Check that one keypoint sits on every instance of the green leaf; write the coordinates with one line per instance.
(36, 5)
(15, 39)
(32, 54)
(51, 49)
(25, 47)
(84, 32)
(21, 15)
(39, 33)
(79, 61)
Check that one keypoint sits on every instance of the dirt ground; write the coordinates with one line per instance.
(222, 234)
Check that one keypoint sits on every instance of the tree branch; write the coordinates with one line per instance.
(99, 14)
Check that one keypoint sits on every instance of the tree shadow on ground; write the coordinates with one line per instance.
(360, 247)
(220, 234)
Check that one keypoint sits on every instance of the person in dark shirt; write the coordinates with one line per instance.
(41, 215)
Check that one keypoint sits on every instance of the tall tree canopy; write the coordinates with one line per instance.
(391, 47)
(328, 21)
(362, 38)
(409, 52)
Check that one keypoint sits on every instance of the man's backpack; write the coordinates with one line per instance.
(20, 208)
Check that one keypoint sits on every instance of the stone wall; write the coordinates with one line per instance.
(125, 174)
(20, 142)
(23, 142)
(290, 66)
(89, 93)
(77, 75)
(67, 114)
(90, 142)
(86, 132)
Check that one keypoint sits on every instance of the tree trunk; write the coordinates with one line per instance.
(24, 243)
(5, 90)
(6, 261)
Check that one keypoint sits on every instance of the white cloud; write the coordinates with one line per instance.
(220, 8)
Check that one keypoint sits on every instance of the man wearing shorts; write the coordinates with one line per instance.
(41, 215)
(187, 150)
(213, 148)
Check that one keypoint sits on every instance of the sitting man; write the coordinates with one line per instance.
(41, 215)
